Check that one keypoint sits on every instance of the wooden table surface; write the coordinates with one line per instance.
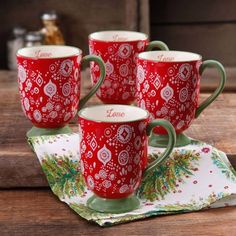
(36, 211)
(39, 212)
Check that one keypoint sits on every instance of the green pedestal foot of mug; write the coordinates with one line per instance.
(157, 140)
(113, 205)
(34, 131)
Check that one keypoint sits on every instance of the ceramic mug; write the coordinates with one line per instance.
(114, 154)
(49, 83)
(119, 50)
(168, 84)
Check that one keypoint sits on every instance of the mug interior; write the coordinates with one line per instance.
(118, 36)
(49, 52)
(169, 56)
(113, 113)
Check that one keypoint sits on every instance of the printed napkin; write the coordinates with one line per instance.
(194, 177)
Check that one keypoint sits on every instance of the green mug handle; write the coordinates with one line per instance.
(157, 44)
(94, 89)
(171, 142)
(209, 100)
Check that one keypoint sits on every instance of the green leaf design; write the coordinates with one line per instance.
(63, 175)
(36, 140)
(225, 167)
(45, 139)
(164, 179)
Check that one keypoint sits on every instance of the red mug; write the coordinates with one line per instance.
(49, 84)
(119, 51)
(168, 85)
(114, 154)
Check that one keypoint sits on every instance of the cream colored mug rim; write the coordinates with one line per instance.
(165, 56)
(137, 36)
(93, 113)
(56, 51)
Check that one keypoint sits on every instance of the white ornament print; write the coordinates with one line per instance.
(146, 86)
(141, 127)
(109, 68)
(53, 114)
(123, 157)
(184, 72)
(183, 94)
(50, 89)
(112, 175)
(37, 115)
(124, 51)
(76, 89)
(39, 80)
(140, 74)
(124, 133)
(142, 104)
(83, 147)
(124, 70)
(172, 112)
(110, 50)
(106, 183)
(89, 154)
(164, 111)
(125, 95)
(157, 82)
(124, 188)
(28, 84)
(67, 116)
(66, 89)
(108, 132)
(193, 97)
(36, 90)
(138, 89)
(110, 91)
(153, 93)
(76, 74)
(90, 182)
(107, 83)
(171, 71)
(180, 124)
(52, 68)
(49, 106)
(102, 174)
(137, 142)
(167, 93)
(26, 104)
(58, 107)
(66, 67)
(158, 113)
(21, 73)
(137, 159)
(93, 144)
(104, 155)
